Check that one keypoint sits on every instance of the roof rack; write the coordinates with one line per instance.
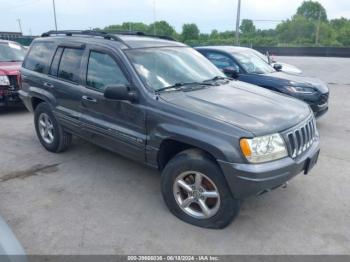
(140, 33)
(105, 35)
(112, 35)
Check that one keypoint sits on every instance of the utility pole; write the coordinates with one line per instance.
(317, 40)
(54, 13)
(20, 25)
(154, 18)
(238, 21)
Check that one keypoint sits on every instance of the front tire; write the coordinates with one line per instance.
(50, 133)
(196, 191)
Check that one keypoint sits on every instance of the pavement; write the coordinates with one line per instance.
(91, 201)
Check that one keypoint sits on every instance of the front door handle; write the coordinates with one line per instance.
(89, 99)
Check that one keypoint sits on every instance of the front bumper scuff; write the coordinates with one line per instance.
(246, 180)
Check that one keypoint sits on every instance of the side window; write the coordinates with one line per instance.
(103, 70)
(221, 61)
(55, 62)
(69, 68)
(39, 56)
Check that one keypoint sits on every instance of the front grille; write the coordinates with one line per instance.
(323, 99)
(302, 138)
(13, 83)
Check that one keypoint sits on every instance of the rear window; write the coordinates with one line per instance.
(11, 52)
(39, 57)
(69, 68)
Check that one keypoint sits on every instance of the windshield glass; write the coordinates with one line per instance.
(262, 56)
(253, 64)
(11, 52)
(167, 66)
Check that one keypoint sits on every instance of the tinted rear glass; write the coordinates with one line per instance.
(39, 57)
(69, 68)
(56, 61)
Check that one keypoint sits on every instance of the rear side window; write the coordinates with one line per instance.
(56, 61)
(69, 68)
(103, 70)
(39, 57)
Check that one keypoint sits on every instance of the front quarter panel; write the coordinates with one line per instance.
(170, 122)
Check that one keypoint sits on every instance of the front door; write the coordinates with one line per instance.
(116, 125)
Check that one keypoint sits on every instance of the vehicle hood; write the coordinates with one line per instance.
(10, 68)
(246, 106)
(289, 69)
(296, 80)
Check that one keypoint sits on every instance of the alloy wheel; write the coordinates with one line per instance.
(46, 128)
(196, 195)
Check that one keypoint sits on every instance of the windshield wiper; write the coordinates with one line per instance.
(180, 85)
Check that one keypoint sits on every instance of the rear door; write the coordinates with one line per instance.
(116, 125)
(36, 66)
(65, 82)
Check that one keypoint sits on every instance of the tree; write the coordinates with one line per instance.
(161, 28)
(214, 34)
(190, 32)
(339, 23)
(298, 30)
(344, 36)
(312, 11)
(128, 26)
(247, 26)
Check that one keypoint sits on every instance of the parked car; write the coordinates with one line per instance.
(216, 141)
(11, 57)
(279, 66)
(248, 67)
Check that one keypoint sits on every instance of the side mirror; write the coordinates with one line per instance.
(119, 92)
(277, 67)
(231, 72)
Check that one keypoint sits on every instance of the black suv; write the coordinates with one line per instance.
(215, 140)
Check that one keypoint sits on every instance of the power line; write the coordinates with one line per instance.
(20, 25)
(54, 13)
(238, 21)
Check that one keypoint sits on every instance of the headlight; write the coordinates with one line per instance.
(4, 81)
(300, 90)
(264, 148)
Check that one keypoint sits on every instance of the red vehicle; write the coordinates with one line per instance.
(11, 57)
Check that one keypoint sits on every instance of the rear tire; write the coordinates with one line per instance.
(207, 203)
(50, 133)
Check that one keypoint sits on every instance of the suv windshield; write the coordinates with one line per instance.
(168, 66)
(11, 52)
(252, 63)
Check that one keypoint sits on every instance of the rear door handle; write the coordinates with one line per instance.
(89, 99)
(48, 84)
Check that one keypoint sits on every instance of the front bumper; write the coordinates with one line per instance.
(10, 98)
(319, 110)
(246, 180)
(320, 105)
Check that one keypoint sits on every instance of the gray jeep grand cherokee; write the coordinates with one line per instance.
(215, 140)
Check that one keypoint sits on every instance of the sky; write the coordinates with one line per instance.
(36, 16)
